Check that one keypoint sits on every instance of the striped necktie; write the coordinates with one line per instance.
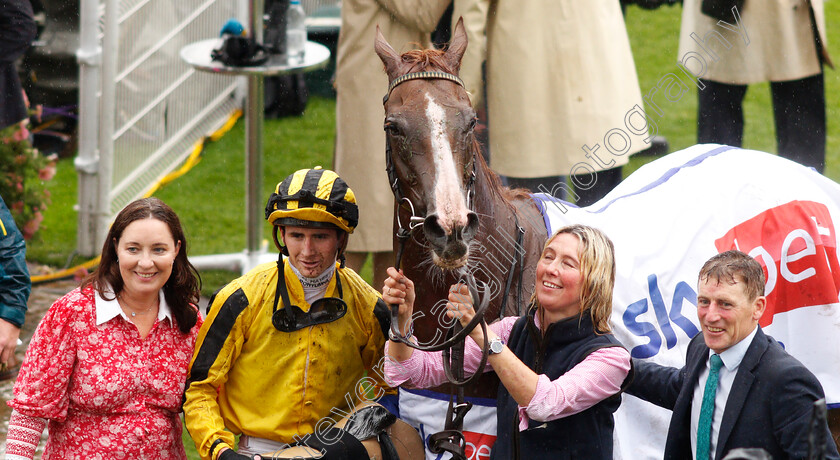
(707, 410)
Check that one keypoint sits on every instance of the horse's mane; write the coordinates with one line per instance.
(509, 194)
(428, 58)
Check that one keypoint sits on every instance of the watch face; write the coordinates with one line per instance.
(496, 346)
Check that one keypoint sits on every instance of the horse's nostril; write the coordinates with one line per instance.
(472, 226)
(433, 231)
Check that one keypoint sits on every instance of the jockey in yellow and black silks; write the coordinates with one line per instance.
(284, 349)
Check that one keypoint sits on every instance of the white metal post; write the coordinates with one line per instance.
(89, 56)
(107, 109)
(255, 105)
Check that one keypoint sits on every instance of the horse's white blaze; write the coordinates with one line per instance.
(450, 203)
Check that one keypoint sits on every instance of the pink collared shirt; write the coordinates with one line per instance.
(594, 379)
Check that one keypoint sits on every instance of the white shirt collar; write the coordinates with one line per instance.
(109, 309)
(733, 355)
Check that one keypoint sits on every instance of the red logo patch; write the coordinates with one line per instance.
(795, 242)
(478, 445)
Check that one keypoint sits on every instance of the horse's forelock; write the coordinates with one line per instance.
(426, 59)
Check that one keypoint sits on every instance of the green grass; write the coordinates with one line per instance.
(654, 37)
(210, 199)
(55, 241)
(189, 446)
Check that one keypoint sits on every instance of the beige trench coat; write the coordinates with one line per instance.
(360, 84)
(560, 76)
(774, 42)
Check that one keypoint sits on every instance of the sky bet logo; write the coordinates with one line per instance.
(796, 245)
(666, 317)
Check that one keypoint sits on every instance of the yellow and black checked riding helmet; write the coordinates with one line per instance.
(313, 198)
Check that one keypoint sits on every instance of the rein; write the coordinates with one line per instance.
(451, 438)
(456, 333)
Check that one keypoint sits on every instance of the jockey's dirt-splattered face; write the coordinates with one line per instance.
(311, 249)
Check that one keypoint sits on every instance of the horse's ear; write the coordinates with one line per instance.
(457, 46)
(389, 57)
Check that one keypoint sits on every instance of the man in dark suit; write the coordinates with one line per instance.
(763, 396)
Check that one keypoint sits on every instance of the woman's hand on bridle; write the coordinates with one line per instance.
(460, 307)
(399, 290)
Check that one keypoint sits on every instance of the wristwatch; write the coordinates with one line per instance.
(496, 346)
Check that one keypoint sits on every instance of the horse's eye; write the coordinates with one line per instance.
(473, 123)
(392, 128)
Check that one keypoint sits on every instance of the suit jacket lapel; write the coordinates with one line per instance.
(740, 388)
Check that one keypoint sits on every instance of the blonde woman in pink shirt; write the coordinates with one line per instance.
(561, 369)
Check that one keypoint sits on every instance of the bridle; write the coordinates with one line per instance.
(425, 75)
(393, 179)
(415, 221)
(451, 439)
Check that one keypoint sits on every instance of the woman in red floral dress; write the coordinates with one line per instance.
(107, 365)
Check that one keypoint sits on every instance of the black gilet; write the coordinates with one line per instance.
(585, 435)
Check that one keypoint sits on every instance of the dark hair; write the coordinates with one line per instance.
(733, 266)
(183, 287)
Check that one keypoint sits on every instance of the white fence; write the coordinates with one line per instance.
(141, 107)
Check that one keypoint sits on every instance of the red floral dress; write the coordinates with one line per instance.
(107, 393)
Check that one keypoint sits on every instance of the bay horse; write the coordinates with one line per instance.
(442, 184)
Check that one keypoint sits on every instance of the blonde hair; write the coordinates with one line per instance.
(597, 269)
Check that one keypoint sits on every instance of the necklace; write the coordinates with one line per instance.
(124, 304)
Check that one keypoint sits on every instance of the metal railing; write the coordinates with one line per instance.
(141, 107)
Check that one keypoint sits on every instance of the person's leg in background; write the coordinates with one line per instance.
(720, 115)
(590, 188)
(552, 185)
(799, 111)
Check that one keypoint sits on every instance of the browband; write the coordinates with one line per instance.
(421, 75)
